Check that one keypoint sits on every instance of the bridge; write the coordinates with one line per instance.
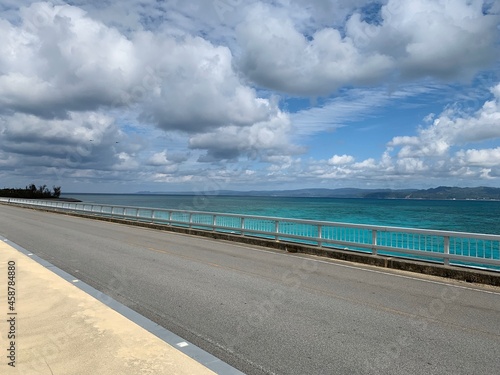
(265, 311)
(456, 248)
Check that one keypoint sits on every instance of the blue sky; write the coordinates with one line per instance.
(227, 94)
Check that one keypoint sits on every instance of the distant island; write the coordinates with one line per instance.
(439, 193)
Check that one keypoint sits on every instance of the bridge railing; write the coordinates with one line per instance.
(446, 247)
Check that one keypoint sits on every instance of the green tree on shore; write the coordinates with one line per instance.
(31, 192)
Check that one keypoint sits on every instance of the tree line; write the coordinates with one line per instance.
(31, 192)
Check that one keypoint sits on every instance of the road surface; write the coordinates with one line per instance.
(268, 312)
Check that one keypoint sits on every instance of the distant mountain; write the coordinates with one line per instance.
(441, 192)
(311, 193)
(330, 193)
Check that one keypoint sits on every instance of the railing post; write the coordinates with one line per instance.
(170, 218)
(374, 241)
(190, 220)
(320, 235)
(446, 250)
(153, 216)
(214, 222)
(276, 230)
(242, 226)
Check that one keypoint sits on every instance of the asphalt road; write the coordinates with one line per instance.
(267, 312)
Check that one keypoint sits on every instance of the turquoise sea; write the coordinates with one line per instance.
(453, 215)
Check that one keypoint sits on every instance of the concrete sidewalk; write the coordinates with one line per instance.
(56, 328)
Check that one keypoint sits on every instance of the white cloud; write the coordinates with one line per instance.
(278, 56)
(159, 159)
(341, 160)
(259, 141)
(88, 147)
(80, 134)
(198, 88)
(126, 162)
(166, 162)
(61, 60)
(483, 158)
(446, 39)
(411, 166)
(84, 145)
(368, 164)
(415, 39)
(453, 128)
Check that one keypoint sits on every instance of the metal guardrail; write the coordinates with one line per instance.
(457, 248)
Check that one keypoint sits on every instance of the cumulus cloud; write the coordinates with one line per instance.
(84, 146)
(483, 158)
(433, 38)
(165, 159)
(83, 140)
(259, 141)
(341, 159)
(198, 88)
(159, 159)
(413, 39)
(277, 55)
(453, 128)
(59, 60)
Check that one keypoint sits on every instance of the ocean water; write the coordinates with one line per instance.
(462, 216)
